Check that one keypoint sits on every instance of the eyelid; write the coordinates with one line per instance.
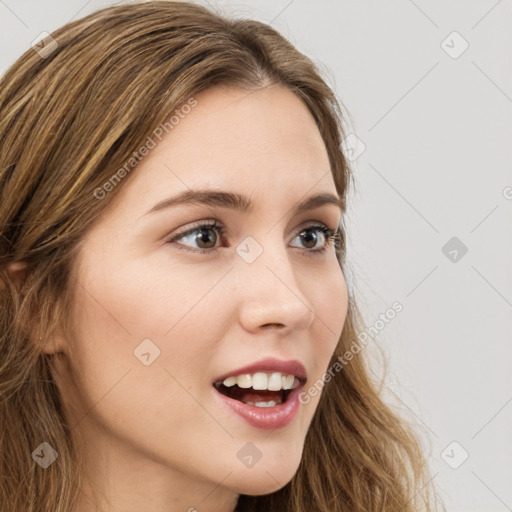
(196, 225)
(313, 223)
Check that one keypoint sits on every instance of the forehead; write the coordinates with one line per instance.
(233, 140)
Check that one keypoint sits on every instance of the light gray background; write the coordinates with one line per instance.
(437, 164)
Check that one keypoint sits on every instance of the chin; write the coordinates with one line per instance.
(265, 478)
(259, 486)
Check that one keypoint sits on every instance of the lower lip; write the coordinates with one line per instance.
(265, 418)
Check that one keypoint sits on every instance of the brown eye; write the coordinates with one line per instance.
(316, 238)
(310, 238)
(206, 238)
(202, 238)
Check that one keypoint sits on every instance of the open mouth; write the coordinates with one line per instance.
(260, 389)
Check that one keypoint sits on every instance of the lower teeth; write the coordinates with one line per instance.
(262, 404)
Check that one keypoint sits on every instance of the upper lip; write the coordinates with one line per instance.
(269, 364)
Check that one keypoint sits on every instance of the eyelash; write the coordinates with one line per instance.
(331, 236)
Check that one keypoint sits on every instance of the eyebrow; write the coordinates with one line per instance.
(240, 202)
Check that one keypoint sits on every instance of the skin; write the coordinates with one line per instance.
(157, 438)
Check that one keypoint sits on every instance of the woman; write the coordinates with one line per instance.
(174, 308)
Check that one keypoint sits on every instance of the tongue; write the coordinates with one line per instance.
(250, 395)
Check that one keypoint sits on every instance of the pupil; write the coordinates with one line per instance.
(308, 237)
(203, 237)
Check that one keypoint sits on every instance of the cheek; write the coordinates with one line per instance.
(331, 303)
(117, 307)
(145, 298)
(111, 385)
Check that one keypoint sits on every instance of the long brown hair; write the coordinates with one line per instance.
(70, 117)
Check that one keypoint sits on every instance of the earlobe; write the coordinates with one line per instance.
(18, 272)
(50, 342)
(51, 345)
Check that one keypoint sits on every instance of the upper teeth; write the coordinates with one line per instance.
(272, 381)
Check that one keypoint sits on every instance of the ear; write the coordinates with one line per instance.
(46, 344)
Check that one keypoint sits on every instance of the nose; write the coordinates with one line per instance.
(270, 294)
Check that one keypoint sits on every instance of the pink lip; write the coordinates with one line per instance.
(268, 364)
(265, 418)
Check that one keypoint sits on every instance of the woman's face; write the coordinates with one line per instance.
(165, 310)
